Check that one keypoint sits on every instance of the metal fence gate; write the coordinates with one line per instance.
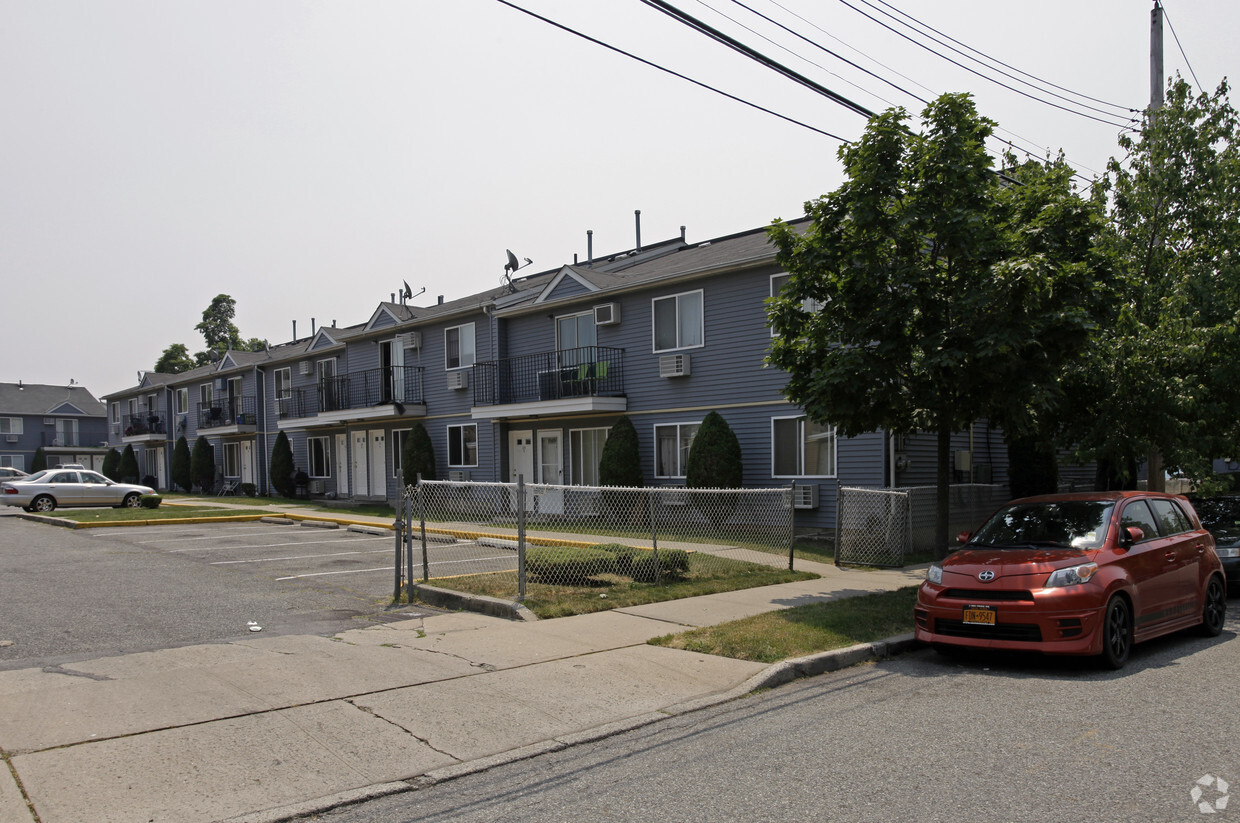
(511, 536)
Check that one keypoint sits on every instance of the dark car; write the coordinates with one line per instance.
(1221, 516)
(1078, 574)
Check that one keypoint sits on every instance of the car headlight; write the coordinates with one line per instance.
(1228, 551)
(1072, 576)
(935, 573)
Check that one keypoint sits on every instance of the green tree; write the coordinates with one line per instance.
(202, 464)
(1164, 377)
(620, 463)
(920, 299)
(418, 456)
(174, 360)
(39, 461)
(220, 333)
(128, 466)
(714, 456)
(282, 466)
(182, 465)
(111, 464)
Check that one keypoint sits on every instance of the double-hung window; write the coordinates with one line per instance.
(459, 346)
(317, 449)
(671, 448)
(585, 451)
(809, 304)
(182, 395)
(802, 448)
(463, 445)
(678, 321)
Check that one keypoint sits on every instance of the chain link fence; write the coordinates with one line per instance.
(882, 527)
(507, 540)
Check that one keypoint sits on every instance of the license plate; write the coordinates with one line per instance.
(979, 615)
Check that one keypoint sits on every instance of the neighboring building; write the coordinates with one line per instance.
(527, 379)
(67, 422)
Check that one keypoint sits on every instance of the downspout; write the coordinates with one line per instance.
(260, 400)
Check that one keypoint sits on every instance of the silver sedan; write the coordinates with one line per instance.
(44, 491)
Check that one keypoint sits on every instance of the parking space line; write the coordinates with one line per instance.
(274, 545)
(387, 568)
(295, 557)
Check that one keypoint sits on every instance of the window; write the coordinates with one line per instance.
(152, 462)
(319, 456)
(678, 321)
(13, 461)
(232, 459)
(1170, 517)
(116, 412)
(66, 431)
(399, 437)
(463, 445)
(801, 448)
(182, 401)
(459, 346)
(575, 331)
(204, 395)
(10, 425)
(671, 448)
(585, 448)
(1137, 514)
(284, 382)
(778, 281)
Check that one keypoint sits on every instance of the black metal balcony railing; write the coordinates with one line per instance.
(236, 411)
(589, 371)
(73, 439)
(145, 423)
(355, 390)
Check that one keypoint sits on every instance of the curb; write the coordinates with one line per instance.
(775, 675)
(493, 606)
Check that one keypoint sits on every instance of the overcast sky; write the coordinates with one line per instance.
(308, 157)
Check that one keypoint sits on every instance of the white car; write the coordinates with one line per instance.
(44, 491)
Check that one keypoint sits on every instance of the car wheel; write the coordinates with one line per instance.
(132, 500)
(1215, 610)
(43, 503)
(1116, 633)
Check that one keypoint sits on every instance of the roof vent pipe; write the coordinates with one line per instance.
(590, 247)
(294, 330)
(441, 299)
(312, 327)
(682, 234)
(637, 216)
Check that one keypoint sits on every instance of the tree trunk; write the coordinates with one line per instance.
(942, 494)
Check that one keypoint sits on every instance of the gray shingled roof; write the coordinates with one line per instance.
(29, 398)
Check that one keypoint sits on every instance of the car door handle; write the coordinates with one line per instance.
(1169, 555)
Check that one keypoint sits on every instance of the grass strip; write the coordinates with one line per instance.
(803, 630)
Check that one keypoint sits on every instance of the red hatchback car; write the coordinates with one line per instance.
(1082, 574)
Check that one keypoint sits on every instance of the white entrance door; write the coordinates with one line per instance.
(342, 464)
(378, 477)
(551, 472)
(521, 461)
(361, 474)
(247, 461)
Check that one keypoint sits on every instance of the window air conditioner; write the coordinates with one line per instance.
(804, 497)
(315, 486)
(458, 380)
(10, 438)
(607, 314)
(305, 367)
(56, 441)
(458, 476)
(410, 340)
(49, 421)
(674, 365)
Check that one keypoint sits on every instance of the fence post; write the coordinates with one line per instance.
(654, 536)
(839, 507)
(792, 523)
(426, 563)
(398, 526)
(409, 543)
(520, 537)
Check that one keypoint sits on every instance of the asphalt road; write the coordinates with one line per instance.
(919, 737)
(68, 595)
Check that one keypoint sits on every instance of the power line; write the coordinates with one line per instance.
(653, 65)
(979, 74)
(1125, 109)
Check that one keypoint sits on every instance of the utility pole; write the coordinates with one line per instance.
(1155, 470)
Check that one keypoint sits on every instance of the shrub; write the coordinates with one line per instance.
(150, 501)
(715, 456)
(249, 489)
(128, 468)
(567, 565)
(111, 462)
(202, 464)
(418, 456)
(620, 463)
(282, 467)
(639, 564)
(182, 474)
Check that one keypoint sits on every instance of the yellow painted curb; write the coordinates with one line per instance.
(171, 521)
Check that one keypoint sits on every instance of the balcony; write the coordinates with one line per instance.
(587, 379)
(371, 394)
(144, 427)
(233, 415)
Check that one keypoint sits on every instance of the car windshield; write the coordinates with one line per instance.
(1078, 524)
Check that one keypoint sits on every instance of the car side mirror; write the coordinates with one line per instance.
(963, 537)
(1132, 534)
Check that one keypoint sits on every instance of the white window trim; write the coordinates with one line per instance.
(234, 448)
(15, 425)
(559, 317)
(473, 465)
(835, 452)
(573, 480)
(653, 323)
(678, 426)
(182, 400)
(287, 371)
(473, 332)
(327, 457)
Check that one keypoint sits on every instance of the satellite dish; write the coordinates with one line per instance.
(408, 292)
(213, 356)
(512, 262)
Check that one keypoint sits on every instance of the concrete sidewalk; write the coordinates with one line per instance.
(277, 726)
